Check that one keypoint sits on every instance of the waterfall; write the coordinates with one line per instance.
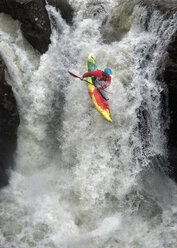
(80, 181)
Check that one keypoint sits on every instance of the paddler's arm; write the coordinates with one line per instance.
(85, 76)
(96, 74)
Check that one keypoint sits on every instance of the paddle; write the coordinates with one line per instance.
(72, 74)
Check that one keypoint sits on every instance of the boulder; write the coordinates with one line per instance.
(9, 122)
(34, 18)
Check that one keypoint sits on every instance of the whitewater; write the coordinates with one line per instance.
(80, 181)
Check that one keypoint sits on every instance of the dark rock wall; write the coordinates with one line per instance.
(170, 78)
(65, 9)
(168, 75)
(34, 18)
(9, 121)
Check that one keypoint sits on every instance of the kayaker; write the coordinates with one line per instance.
(101, 79)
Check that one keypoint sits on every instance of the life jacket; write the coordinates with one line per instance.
(103, 78)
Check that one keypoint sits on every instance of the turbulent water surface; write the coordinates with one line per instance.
(80, 181)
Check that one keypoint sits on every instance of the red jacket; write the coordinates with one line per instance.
(99, 75)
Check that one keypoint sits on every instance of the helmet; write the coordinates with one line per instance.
(108, 71)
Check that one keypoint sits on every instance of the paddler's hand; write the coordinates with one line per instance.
(81, 78)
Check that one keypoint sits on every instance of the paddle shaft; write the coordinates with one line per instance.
(72, 74)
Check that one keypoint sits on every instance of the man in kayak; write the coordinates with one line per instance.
(100, 79)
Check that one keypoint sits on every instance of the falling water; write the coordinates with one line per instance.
(80, 181)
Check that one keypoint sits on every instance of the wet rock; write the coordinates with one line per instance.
(65, 9)
(34, 18)
(170, 78)
(9, 121)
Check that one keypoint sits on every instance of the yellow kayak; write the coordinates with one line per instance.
(99, 102)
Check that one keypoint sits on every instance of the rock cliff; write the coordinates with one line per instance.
(65, 9)
(169, 76)
(9, 121)
(34, 18)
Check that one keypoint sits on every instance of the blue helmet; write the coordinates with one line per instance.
(108, 71)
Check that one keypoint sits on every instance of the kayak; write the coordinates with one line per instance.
(101, 105)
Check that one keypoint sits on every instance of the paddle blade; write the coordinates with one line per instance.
(73, 75)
